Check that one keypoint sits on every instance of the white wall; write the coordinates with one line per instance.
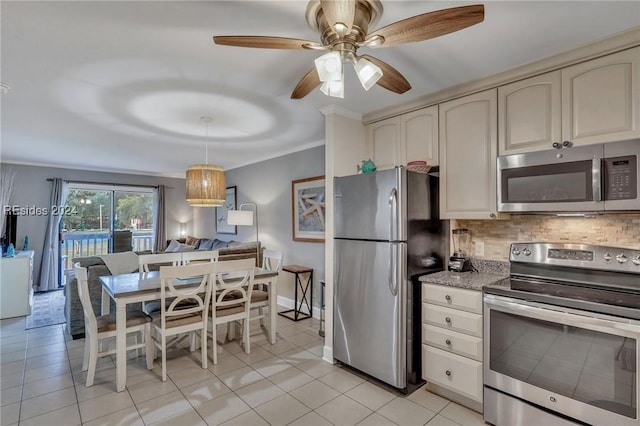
(31, 188)
(268, 184)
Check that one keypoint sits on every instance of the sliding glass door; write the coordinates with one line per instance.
(105, 219)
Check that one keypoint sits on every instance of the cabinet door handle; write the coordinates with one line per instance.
(448, 342)
(447, 319)
(447, 297)
(448, 373)
(557, 145)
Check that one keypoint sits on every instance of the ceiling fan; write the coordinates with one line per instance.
(344, 27)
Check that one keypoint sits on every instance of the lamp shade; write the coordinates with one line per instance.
(240, 217)
(329, 66)
(333, 88)
(206, 185)
(368, 73)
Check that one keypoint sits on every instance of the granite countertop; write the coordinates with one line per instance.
(489, 272)
(467, 280)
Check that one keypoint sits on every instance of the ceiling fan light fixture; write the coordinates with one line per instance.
(329, 67)
(333, 88)
(368, 72)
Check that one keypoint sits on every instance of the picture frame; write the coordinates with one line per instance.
(222, 211)
(308, 209)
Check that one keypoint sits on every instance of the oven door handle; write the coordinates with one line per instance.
(567, 316)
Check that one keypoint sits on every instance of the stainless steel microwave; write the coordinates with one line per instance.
(587, 178)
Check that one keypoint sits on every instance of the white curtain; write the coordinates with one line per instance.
(50, 251)
(159, 220)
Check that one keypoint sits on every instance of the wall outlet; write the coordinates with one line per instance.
(478, 248)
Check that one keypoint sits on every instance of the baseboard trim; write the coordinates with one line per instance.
(327, 354)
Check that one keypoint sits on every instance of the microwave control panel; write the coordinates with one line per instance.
(621, 177)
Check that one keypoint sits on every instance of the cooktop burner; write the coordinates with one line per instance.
(592, 278)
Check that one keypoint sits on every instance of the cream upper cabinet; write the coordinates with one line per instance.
(468, 151)
(596, 101)
(529, 114)
(601, 99)
(407, 137)
(383, 142)
(419, 136)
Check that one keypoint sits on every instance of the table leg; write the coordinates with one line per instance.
(121, 345)
(106, 302)
(273, 307)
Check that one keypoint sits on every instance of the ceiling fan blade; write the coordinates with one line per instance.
(430, 25)
(339, 12)
(391, 79)
(309, 82)
(264, 42)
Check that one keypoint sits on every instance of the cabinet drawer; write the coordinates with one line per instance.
(452, 297)
(460, 374)
(452, 319)
(452, 341)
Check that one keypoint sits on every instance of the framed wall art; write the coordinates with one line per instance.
(308, 209)
(221, 213)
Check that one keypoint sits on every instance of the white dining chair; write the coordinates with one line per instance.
(199, 256)
(271, 261)
(183, 309)
(230, 301)
(102, 328)
(144, 260)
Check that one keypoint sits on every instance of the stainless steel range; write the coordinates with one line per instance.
(562, 337)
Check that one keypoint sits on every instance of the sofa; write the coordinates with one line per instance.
(96, 268)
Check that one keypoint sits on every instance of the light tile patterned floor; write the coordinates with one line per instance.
(41, 383)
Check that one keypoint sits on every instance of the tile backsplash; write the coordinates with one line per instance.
(617, 230)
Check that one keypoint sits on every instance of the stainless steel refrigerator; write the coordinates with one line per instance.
(387, 233)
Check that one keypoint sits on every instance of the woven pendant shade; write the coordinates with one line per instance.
(206, 185)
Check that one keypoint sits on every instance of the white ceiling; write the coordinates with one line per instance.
(121, 85)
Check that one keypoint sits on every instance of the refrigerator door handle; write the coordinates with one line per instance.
(393, 216)
(393, 283)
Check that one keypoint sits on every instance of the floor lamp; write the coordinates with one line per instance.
(245, 218)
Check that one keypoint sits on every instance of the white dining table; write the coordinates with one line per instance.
(137, 287)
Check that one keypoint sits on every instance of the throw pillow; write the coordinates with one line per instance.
(185, 247)
(173, 245)
(191, 241)
(218, 244)
(205, 244)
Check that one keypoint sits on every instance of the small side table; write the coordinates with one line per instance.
(298, 315)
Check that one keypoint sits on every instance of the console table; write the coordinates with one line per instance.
(296, 313)
(16, 280)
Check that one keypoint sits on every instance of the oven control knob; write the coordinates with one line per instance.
(516, 252)
(621, 258)
(607, 257)
(526, 252)
(636, 260)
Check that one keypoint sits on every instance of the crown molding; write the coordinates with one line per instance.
(615, 43)
(335, 109)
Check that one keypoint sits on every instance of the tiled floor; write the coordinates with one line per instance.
(283, 384)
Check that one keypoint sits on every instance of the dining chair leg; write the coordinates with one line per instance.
(192, 345)
(85, 355)
(214, 343)
(150, 349)
(164, 357)
(137, 336)
(246, 324)
(203, 347)
(93, 360)
(261, 314)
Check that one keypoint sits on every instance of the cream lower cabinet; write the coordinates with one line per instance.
(468, 151)
(16, 280)
(596, 101)
(452, 339)
(407, 137)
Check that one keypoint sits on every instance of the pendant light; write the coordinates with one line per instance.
(206, 184)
